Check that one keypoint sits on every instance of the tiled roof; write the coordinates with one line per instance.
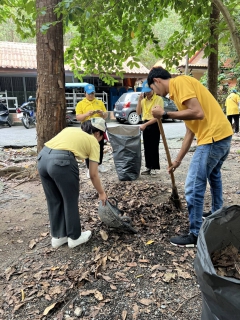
(197, 60)
(18, 55)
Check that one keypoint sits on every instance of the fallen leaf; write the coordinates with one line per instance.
(149, 242)
(146, 302)
(135, 313)
(23, 294)
(46, 311)
(98, 295)
(169, 276)
(113, 287)
(32, 243)
(104, 235)
(132, 264)
(124, 315)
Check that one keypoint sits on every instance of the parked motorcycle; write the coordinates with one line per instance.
(71, 118)
(26, 113)
(4, 114)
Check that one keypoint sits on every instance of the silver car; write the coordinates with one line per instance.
(125, 107)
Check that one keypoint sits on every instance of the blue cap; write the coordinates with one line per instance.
(234, 91)
(145, 87)
(89, 88)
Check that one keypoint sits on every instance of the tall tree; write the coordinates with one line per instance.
(213, 56)
(51, 105)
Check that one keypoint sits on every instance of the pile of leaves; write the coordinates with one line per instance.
(115, 275)
(226, 261)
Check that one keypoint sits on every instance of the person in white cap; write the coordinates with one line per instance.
(88, 108)
(151, 134)
(59, 173)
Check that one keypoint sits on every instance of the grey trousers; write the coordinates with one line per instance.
(59, 173)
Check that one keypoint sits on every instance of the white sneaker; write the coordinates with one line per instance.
(57, 242)
(87, 174)
(85, 236)
(101, 168)
(154, 172)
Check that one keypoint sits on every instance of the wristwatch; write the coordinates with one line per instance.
(165, 115)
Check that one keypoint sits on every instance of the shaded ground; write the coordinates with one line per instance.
(115, 275)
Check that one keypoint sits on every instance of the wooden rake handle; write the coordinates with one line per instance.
(159, 121)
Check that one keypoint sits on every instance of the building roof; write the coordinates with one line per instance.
(19, 55)
(197, 60)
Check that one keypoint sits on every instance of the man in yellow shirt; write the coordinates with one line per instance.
(59, 173)
(232, 111)
(204, 119)
(151, 134)
(88, 108)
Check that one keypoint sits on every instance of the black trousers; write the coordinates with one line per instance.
(59, 173)
(234, 117)
(151, 139)
(101, 144)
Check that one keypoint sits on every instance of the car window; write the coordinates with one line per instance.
(135, 97)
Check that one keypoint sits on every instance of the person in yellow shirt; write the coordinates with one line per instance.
(88, 108)
(151, 134)
(232, 110)
(59, 173)
(204, 119)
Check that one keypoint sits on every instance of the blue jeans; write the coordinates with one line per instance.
(205, 165)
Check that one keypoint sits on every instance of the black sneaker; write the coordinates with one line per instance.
(206, 214)
(186, 240)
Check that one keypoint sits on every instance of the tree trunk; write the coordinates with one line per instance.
(213, 57)
(235, 35)
(50, 98)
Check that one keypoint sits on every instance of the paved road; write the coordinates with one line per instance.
(18, 136)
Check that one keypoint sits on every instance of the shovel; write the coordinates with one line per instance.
(174, 196)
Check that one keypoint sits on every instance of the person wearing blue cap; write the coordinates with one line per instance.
(88, 108)
(151, 134)
(232, 111)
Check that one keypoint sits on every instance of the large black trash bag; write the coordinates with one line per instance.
(126, 144)
(220, 295)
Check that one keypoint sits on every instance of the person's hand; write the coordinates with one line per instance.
(141, 96)
(174, 166)
(143, 127)
(90, 113)
(100, 112)
(157, 112)
(103, 198)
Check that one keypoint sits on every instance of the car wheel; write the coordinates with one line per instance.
(133, 118)
(120, 120)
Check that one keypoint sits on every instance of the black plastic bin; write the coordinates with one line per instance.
(126, 143)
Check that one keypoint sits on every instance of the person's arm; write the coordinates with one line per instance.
(82, 117)
(144, 125)
(139, 104)
(187, 141)
(194, 111)
(94, 176)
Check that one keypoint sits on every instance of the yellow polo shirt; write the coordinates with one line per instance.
(232, 104)
(80, 143)
(215, 126)
(86, 105)
(147, 106)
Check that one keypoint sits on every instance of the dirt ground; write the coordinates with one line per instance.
(116, 275)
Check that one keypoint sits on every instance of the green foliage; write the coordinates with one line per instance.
(105, 33)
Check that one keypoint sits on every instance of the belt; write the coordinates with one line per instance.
(49, 150)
